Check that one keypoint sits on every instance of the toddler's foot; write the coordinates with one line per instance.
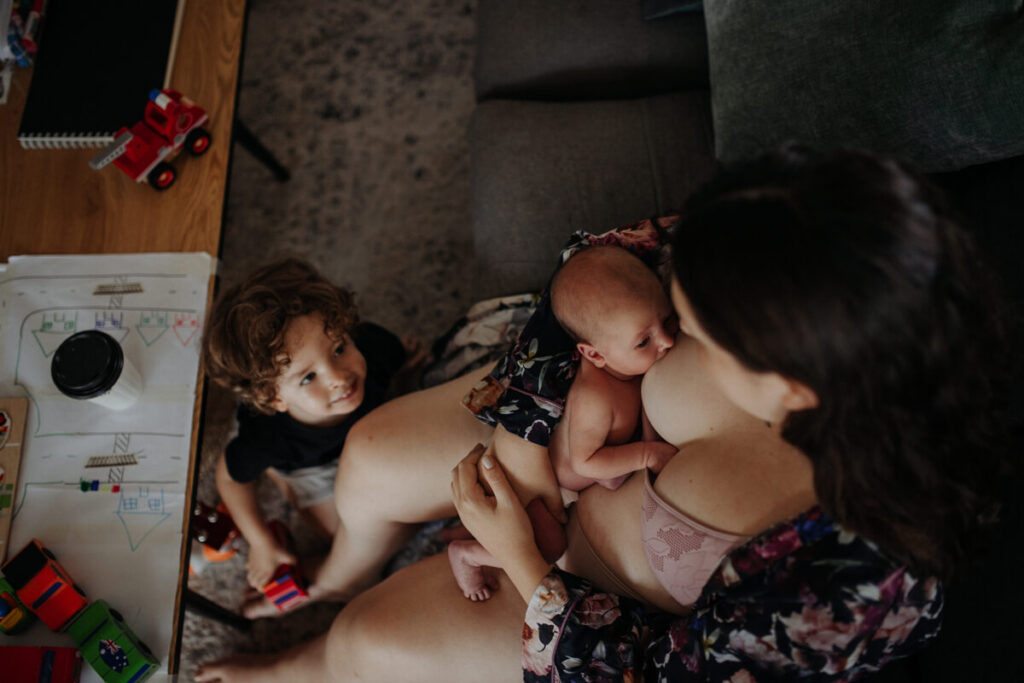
(474, 582)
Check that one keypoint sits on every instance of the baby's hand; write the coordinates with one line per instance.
(657, 454)
(264, 559)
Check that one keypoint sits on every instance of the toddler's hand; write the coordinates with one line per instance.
(264, 559)
(657, 454)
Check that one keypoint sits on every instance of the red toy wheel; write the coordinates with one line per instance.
(197, 142)
(162, 176)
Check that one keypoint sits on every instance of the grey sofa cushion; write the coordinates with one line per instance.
(940, 82)
(575, 49)
(542, 169)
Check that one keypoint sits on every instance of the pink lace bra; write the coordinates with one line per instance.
(681, 552)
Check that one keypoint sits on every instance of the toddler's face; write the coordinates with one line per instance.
(631, 338)
(324, 382)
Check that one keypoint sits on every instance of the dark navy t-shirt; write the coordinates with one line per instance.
(281, 442)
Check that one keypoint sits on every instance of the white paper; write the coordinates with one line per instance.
(120, 542)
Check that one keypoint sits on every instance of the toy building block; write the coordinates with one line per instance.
(110, 646)
(14, 618)
(29, 664)
(44, 586)
(286, 589)
(169, 123)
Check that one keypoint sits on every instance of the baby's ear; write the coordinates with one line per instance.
(590, 353)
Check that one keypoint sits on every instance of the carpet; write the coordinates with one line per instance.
(366, 102)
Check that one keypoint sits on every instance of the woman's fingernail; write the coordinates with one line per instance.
(488, 463)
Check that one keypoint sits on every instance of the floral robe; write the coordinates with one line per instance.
(805, 600)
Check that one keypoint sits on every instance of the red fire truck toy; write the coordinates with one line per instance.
(170, 122)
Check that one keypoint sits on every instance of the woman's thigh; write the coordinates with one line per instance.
(400, 456)
(418, 626)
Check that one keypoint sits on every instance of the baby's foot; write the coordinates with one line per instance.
(471, 578)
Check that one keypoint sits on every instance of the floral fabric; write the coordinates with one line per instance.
(804, 600)
(525, 392)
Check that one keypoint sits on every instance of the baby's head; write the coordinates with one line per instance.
(286, 319)
(615, 309)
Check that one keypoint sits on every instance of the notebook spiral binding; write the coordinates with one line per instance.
(63, 141)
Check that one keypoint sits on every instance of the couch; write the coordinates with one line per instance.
(590, 116)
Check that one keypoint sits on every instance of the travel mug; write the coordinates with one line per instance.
(91, 366)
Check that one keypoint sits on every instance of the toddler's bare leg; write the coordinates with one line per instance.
(468, 559)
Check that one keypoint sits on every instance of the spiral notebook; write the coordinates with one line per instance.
(97, 63)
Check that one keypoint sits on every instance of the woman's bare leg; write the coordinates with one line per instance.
(415, 626)
(395, 471)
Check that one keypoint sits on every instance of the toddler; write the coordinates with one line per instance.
(290, 346)
(616, 310)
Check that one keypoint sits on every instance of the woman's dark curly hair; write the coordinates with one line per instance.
(848, 272)
(244, 343)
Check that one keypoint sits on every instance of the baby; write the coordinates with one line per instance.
(616, 310)
(288, 343)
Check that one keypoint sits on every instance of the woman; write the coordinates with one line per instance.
(833, 401)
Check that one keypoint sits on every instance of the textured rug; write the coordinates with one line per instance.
(366, 102)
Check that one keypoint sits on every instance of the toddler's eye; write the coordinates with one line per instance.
(340, 350)
(644, 342)
(307, 379)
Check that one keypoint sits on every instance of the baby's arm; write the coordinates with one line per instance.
(264, 552)
(589, 455)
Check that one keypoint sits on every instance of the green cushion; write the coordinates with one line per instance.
(938, 82)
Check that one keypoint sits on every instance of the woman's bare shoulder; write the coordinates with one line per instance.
(740, 482)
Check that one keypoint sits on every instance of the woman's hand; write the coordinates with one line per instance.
(499, 521)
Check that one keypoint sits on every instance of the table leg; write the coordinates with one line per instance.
(246, 138)
(211, 610)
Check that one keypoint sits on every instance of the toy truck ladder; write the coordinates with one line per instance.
(111, 151)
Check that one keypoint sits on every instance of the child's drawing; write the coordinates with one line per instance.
(100, 485)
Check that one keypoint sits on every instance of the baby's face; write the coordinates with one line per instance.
(631, 338)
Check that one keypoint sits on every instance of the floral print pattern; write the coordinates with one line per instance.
(525, 392)
(804, 600)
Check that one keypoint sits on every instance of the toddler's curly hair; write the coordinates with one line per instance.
(243, 348)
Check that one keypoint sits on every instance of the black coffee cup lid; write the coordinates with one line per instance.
(87, 364)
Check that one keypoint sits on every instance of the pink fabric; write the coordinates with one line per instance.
(682, 553)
